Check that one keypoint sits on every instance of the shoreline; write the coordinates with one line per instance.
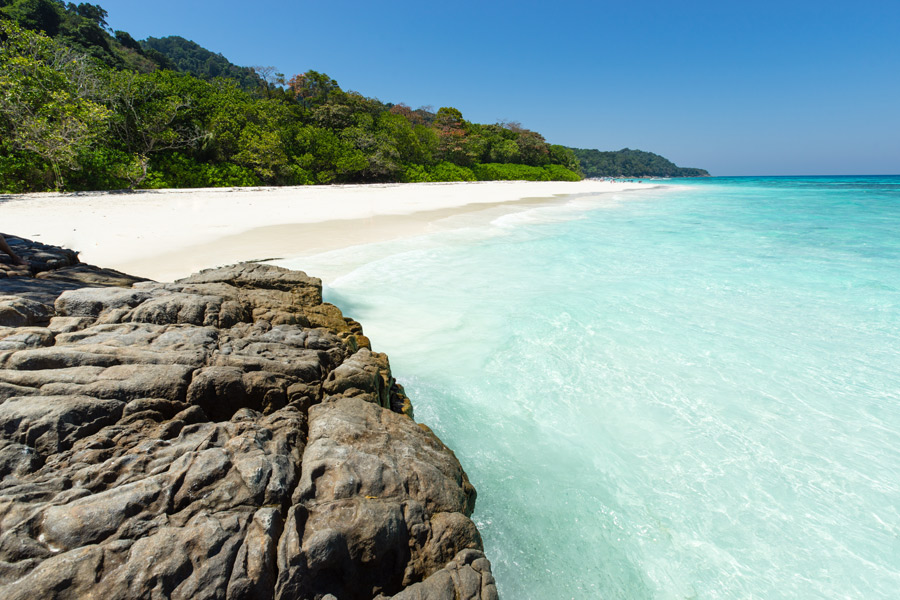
(168, 234)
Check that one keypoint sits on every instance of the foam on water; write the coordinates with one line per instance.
(684, 393)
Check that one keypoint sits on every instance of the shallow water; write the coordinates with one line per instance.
(681, 393)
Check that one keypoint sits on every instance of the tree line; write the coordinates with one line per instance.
(83, 108)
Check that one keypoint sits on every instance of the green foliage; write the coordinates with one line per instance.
(262, 152)
(504, 151)
(48, 98)
(443, 171)
(36, 15)
(325, 157)
(80, 27)
(83, 109)
(84, 28)
(565, 157)
(313, 88)
(192, 58)
(102, 169)
(561, 173)
(533, 149)
(518, 172)
(229, 175)
(446, 171)
(509, 172)
(176, 170)
(631, 163)
(454, 142)
(415, 174)
(23, 172)
(149, 110)
(412, 143)
(124, 38)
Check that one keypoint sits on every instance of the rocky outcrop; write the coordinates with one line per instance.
(227, 436)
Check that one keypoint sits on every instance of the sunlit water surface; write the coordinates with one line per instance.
(690, 392)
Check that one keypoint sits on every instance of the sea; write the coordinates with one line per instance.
(687, 391)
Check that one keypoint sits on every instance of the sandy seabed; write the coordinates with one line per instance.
(168, 234)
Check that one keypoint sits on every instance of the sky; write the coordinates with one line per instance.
(737, 88)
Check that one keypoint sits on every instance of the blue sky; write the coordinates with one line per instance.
(738, 88)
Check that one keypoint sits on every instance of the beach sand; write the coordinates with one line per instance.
(168, 234)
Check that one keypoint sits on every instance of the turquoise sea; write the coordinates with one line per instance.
(680, 392)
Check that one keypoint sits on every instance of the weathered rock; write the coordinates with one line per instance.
(377, 498)
(51, 424)
(40, 257)
(18, 311)
(51, 271)
(364, 375)
(467, 577)
(224, 436)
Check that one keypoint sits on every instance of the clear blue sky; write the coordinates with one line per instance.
(738, 88)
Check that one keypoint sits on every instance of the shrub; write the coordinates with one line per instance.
(517, 172)
(175, 170)
(23, 172)
(101, 169)
(445, 171)
(415, 174)
(560, 173)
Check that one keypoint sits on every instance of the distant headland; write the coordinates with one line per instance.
(631, 163)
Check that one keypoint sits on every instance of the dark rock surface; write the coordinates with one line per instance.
(226, 436)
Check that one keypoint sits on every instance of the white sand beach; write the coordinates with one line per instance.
(167, 234)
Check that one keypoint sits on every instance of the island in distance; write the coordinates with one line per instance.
(630, 163)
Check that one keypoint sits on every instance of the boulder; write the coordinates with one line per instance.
(228, 435)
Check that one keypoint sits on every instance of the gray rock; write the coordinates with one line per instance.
(90, 302)
(381, 504)
(51, 271)
(360, 376)
(225, 436)
(40, 257)
(20, 338)
(18, 311)
(306, 290)
(17, 460)
(467, 577)
(51, 424)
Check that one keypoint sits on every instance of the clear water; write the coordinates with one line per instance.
(682, 393)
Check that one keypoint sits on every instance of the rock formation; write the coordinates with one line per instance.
(228, 436)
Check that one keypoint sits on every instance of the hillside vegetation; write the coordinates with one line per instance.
(630, 163)
(83, 107)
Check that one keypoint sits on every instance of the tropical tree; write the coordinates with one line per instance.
(452, 130)
(313, 88)
(150, 115)
(50, 98)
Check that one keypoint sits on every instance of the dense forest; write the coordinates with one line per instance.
(630, 163)
(83, 107)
